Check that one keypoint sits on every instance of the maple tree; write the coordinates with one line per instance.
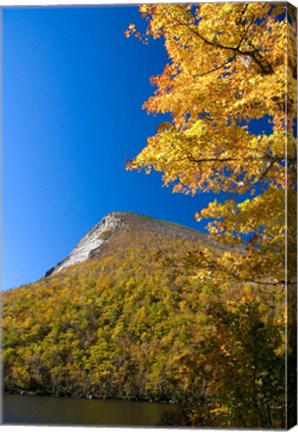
(230, 65)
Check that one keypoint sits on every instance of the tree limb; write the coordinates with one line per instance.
(264, 65)
(216, 68)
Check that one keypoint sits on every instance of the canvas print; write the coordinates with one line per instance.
(149, 215)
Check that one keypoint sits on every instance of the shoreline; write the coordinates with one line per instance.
(87, 397)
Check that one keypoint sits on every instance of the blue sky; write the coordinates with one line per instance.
(73, 88)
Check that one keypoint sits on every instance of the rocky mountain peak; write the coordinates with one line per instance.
(93, 240)
(111, 226)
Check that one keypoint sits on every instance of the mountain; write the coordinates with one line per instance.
(107, 320)
(125, 316)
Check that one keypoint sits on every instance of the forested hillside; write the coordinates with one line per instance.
(135, 322)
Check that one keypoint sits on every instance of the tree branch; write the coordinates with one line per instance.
(264, 65)
(216, 68)
(245, 32)
(215, 159)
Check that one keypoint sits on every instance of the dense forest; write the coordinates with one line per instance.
(136, 323)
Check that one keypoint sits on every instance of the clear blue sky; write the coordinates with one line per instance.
(73, 88)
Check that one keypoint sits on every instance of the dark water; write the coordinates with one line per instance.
(44, 410)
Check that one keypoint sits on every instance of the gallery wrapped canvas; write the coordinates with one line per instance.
(179, 307)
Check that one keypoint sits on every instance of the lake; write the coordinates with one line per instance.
(46, 410)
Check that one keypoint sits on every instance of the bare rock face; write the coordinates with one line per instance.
(96, 237)
(114, 224)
